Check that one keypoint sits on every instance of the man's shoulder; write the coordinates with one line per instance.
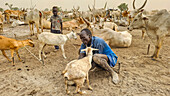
(98, 39)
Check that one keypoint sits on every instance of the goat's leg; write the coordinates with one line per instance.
(12, 55)
(156, 49)
(19, 57)
(62, 48)
(43, 52)
(3, 52)
(87, 77)
(78, 89)
(41, 45)
(66, 86)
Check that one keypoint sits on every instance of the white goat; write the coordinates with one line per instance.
(77, 71)
(47, 38)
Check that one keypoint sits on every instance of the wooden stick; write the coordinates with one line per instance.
(148, 49)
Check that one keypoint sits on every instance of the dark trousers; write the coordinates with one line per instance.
(56, 32)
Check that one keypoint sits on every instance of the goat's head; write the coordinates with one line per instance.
(29, 42)
(73, 35)
(89, 50)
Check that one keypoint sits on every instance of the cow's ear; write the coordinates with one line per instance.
(145, 18)
(142, 10)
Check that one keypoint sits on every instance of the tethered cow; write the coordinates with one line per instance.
(156, 26)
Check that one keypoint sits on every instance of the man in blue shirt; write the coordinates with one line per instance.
(104, 57)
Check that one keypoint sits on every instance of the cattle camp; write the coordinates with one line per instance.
(84, 48)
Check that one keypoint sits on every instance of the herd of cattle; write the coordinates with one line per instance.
(103, 23)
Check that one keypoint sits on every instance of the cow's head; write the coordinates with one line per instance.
(136, 11)
(138, 22)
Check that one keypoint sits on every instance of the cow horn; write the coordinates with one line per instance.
(89, 8)
(143, 5)
(105, 5)
(88, 24)
(134, 4)
(78, 8)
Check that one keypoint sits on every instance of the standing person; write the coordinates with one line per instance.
(104, 57)
(56, 23)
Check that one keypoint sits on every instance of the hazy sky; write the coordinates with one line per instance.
(68, 4)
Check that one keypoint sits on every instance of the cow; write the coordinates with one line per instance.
(34, 16)
(47, 14)
(156, 26)
(16, 14)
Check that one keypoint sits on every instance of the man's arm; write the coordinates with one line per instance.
(61, 23)
(82, 55)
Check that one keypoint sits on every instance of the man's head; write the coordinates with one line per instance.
(55, 10)
(85, 36)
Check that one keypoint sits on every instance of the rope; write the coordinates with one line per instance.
(32, 54)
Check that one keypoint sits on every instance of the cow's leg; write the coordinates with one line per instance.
(12, 55)
(62, 48)
(37, 26)
(30, 28)
(87, 77)
(3, 52)
(143, 33)
(159, 47)
(41, 26)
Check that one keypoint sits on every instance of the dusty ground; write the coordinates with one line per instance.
(139, 74)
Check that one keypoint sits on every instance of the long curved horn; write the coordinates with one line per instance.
(105, 5)
(78, 8)
(89, 8)
(134, 4)
(88, 24)
(143, 5)
(73, 7)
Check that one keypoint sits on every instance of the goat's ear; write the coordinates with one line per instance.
(78, 34)
(83, 50)
(94, 49)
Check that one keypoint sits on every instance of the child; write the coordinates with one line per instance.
(56, 23)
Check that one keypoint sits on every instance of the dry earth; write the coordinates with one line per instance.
(139, 74)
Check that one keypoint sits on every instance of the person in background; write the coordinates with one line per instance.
(56, 23)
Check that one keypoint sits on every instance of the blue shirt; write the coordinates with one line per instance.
(100, 44)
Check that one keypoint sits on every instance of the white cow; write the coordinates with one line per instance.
(156, 26)
(34, 16)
